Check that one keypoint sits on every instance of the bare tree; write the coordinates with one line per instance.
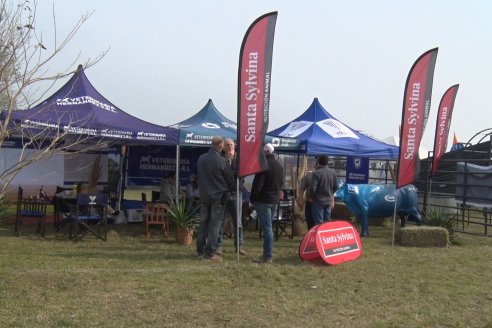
(25, 62)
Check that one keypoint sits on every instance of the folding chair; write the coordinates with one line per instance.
(30, 209)
(284, 218)
(90, 216)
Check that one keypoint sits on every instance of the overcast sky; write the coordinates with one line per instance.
(167, 58)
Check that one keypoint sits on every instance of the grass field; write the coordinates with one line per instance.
(132, 281)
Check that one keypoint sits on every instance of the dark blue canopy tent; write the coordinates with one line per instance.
(78, 109)
(321, 133)
(78, 112)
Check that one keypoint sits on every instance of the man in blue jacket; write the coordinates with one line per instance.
(265, 195)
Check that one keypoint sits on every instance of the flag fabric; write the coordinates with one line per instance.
(255, 65)
(456, 144)
(416, 108)
(443, 123)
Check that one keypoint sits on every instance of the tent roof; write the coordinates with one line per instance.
(204, 125)
(209, 122)
(321, 133)
(78, 108)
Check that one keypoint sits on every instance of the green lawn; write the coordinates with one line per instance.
(132, 281)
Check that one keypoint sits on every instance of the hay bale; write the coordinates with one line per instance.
(422, 236)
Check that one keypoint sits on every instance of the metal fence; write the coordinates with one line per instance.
(458, 189)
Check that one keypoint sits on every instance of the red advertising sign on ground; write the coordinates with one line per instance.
(338, 242)
(308, 249)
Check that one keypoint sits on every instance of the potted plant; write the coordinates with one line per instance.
(185, 217)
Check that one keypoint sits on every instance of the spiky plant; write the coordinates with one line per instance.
(441, 217)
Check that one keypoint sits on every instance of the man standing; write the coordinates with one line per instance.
(231, 206)
(305, 198)
(168, 188)
(265, 194)
(322, 189)
(216, 183)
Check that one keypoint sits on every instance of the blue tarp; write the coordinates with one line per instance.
(321, 133)
(77, 108)
(209, 122)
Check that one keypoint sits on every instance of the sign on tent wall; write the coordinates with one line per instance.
(148, 165)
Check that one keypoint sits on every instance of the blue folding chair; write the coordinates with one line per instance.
(90, 216)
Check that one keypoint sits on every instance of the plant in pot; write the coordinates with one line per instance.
(185, 217)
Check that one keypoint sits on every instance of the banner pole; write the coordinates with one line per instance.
(238, 217)
(394, 218)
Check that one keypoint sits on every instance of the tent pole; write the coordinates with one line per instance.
(178, 160)
(121, 176)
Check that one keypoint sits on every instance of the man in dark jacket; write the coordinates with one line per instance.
(265, 195)
(322, 189)
(216, 183)
(231, 206)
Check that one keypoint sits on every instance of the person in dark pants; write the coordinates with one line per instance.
(265, 195)
(232, 205)
(322, 189)
(216, 184)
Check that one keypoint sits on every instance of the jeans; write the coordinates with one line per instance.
(231, 207)
(321, 213)
(211, 215)
(308, 213)
(265, 214)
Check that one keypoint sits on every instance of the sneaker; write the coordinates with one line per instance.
(218, 251)
(261, 259)
(213, 257)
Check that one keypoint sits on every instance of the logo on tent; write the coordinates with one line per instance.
(209, 125)
(336, 129)
(296, 128)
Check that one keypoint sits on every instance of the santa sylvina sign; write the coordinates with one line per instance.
(338, 242)
(335, 242)
(308, 249)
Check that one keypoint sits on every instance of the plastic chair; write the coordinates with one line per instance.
(30, 209)
(90, 216)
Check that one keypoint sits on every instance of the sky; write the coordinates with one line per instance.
(167, 58)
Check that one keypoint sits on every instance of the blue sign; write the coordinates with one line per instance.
(147, 165)
(357, 170)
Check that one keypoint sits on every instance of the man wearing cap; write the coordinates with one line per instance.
(322, 190)
(265, 195)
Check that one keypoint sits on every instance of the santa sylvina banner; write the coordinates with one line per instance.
(335, 242)
(255, 66)
(416, 107)
(443, 123)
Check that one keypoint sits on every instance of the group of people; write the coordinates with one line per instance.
(265, 194)
(218, 196)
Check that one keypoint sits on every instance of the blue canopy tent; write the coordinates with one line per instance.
(199, 130)
(77, 109)
(321, 133)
